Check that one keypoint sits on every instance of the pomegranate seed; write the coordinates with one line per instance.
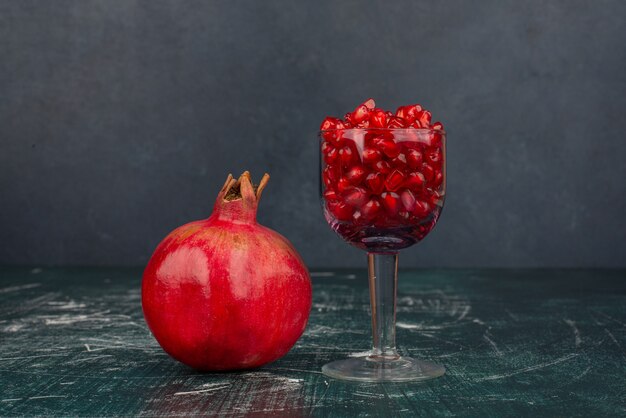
(370, 103)
(395, 122)
(371, 156)
(375, 182)
(331, 156)
(329, 123)
(436, 198)
(394, 180)
(415, 181)
(399, 162)
(413, 111)
(382, 167)
(330, 176)
(401, 112)
(438, 178)
(340, 210)
(391, 203)
(433, 139)
(388, 147)
(370, 138)
(437, 126)
(422, 209)
(346, 155)
(355, 175)
(413, 158)
(343, 184)
(389, 114)
(330, 194)
(356, 197)
(424, 117)
(408, 200)
(408, 113)
(330, 153)
(330, 130)
(334, 137)
(433, 156)
(378, 119)
(371, 209)
(416, 124)
(360, 114)
(428, 172)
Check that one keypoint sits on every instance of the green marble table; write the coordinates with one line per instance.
(515, 343)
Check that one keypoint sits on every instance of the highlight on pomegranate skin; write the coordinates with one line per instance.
(227, 293)
(383, 175)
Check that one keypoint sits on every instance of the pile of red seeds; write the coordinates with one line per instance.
(381, 168)
(367, 115)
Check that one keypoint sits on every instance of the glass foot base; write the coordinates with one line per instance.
(372, 369)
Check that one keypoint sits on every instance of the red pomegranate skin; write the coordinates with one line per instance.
(227, 293)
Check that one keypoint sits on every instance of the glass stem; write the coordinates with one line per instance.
(383, 279)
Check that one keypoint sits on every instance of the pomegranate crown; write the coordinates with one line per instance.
(243, 188)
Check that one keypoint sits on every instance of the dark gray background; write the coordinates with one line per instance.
(119, 121)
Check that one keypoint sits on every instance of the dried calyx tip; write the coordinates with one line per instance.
(232, 187)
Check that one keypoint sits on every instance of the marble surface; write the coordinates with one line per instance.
(514, 342)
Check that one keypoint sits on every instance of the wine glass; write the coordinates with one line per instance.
(382, 190)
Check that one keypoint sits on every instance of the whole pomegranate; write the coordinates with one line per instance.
(227, 293)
